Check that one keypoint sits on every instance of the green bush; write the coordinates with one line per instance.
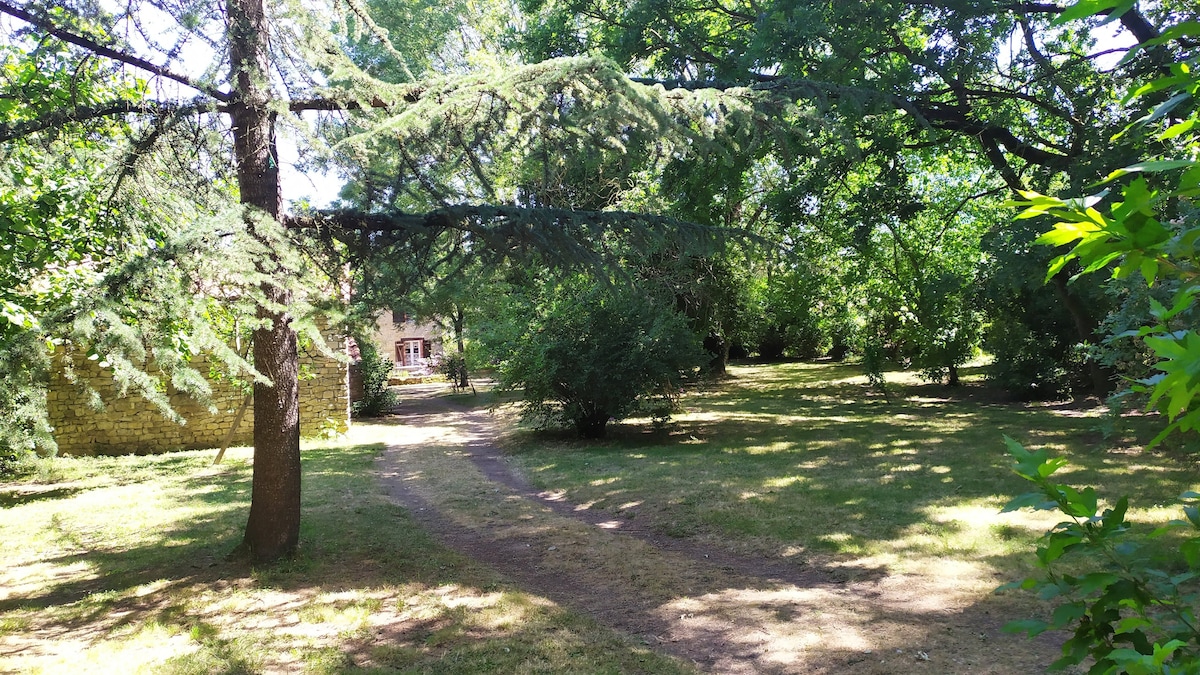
(1037, 348)
(1128, 609)
(24, 431)
(593, 353)
(454, 368)
(377, 397)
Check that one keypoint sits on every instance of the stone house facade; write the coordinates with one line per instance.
(414, 347)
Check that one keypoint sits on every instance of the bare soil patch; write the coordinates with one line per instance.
(721, 611)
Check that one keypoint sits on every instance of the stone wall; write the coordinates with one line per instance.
(132, 425)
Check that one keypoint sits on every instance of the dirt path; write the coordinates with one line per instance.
(720, 611)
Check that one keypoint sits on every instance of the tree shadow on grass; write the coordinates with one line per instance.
(353, 541)
(181, 553)
(17, 496)
(793, 457)
(799, 459)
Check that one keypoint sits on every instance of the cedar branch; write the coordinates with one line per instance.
(45, 24)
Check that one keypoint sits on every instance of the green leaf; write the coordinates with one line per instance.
(1067, 614)
(1057, 264)
(1050, 466)
(1131, 623)
(1166, 107)
(1193, 514)
(1113, 519)
(1152, 166)
(1165, 651)
(1084, 8)
(1060, 235)
(1179, 129)
(1080, 504)
(1169, 82)
(1058, 544)
(1149, 270)
(1026, 462)
(1100, 262)
(1179, 30)
(1031, 627)
(1095, 581)
(1051, 591)
(1034, 500)
(1183, 300)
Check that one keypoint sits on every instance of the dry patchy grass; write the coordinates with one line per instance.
(803, 462)
(119, 567)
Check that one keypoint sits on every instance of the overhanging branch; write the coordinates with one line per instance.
(471, 217)
(65, 116)
(45, 24)
(929, 114)
(563, 236)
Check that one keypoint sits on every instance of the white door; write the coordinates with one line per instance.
(412, 352)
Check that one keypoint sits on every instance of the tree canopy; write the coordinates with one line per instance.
(859, 152)
(235, 76)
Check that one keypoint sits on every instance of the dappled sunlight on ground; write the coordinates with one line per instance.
(876, 611)
(138, 651)
(790, 522)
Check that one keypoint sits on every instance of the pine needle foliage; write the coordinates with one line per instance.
(532, 164)
(565, 133)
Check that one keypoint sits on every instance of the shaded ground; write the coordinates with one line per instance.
(719, 611)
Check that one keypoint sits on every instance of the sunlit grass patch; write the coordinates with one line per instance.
(126, 571)
(806, 458)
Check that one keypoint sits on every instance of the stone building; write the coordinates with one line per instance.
(130, 424)
(415, 347)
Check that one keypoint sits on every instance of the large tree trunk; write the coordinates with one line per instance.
(273, 529)
(718, 347)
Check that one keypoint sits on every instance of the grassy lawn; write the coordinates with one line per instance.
(118, 565)
(805, 461)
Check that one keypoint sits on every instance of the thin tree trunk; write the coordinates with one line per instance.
(463, 381)
(273, 528)
(1085, 327)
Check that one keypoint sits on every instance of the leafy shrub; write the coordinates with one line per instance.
(1030, 363)
(24, 431)
(1037, 348)
(454, 368)
(592, 354)
(376, 369)
(1131, 611)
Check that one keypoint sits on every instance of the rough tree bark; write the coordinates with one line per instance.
(459, 321)
(273, 529)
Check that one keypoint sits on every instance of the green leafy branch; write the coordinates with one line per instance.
(1130, 613)
(1131, 616)
(1152, 230)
